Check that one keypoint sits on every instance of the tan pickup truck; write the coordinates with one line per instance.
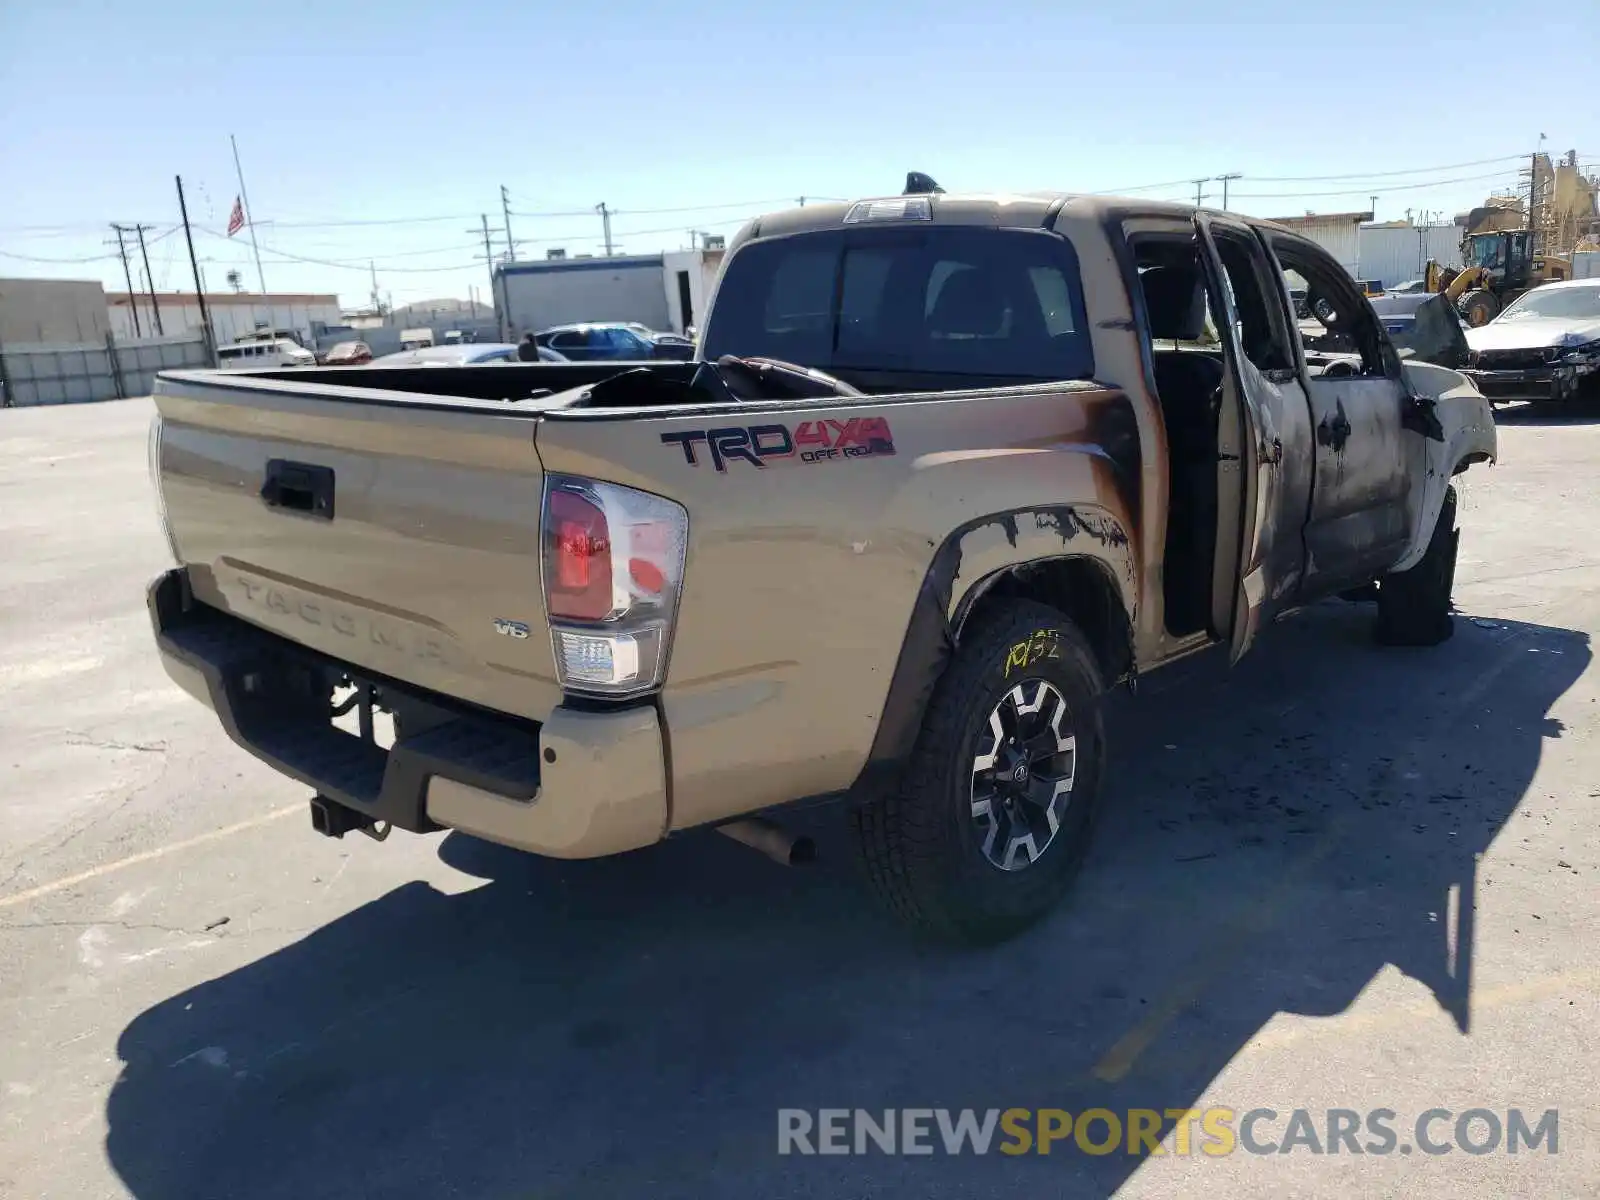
(948, 468)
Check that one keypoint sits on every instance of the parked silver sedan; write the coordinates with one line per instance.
(462, 354)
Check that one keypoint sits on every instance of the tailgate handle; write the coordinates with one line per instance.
(299, 488)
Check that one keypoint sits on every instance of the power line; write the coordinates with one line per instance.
(619, 235)
(1367, 191)
(372, 221)
(688, 208)
(1353, 175)
(454, 248)
(1481, 162)
(35, 259)
(1143, 187)
(363, 265)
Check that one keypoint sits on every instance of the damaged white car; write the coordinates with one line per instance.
(1545, 346)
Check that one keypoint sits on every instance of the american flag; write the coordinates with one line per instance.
(236, 217)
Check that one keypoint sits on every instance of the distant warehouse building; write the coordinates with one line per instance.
(1390, 252)
(52, 311)
(1337, 233)
(668, 291)
(233, 314)
(1397, 251)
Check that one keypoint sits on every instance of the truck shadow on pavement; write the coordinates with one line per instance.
(1274, 838)
(1581, 410)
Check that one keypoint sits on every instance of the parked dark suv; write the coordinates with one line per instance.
(591, 342)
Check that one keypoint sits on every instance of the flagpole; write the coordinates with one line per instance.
(249, 220)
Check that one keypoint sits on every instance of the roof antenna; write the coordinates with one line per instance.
(918, 184)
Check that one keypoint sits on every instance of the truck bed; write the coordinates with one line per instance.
(497, 382)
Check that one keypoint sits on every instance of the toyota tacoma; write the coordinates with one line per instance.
(946, 469)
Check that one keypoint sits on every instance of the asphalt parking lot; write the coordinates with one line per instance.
(1339, 877)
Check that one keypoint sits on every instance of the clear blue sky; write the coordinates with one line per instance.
(406, 110)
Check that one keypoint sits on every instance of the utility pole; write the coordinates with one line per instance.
(1225, 179)
(150, 280)
(377, 304)
(488, 262)
(605, 219)
(1374, 200)
(505, 207)
(249, 217)
(133, 299)
(1533, 196)
(802, 202)
(194, 263)
(1198, 194)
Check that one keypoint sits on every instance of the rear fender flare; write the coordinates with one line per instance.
(969, 562)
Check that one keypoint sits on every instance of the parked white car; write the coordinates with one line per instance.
(1544, 346)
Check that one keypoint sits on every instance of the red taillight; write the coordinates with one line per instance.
(613, 560)
(647, 576)
(579, 555)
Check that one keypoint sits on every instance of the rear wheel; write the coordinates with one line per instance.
(989, 825)
(1478, 307)
(1414, 605)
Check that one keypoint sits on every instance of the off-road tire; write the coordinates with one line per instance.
(919, 843)
(1414, 605)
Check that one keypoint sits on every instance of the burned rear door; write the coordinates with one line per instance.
(1265, 431)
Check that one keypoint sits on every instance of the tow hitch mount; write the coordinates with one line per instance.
(332, 819)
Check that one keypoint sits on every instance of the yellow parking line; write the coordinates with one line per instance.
(133, 860)
(1257, 918)
(1115, 1064)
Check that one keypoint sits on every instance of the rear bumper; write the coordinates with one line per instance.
(580, 785)
(1550, 382)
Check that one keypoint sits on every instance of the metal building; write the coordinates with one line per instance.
(664, 291)
(52, 311)
(1396, 252)
(1337, 233)
(233, 314)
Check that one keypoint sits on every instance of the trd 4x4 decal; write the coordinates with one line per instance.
(810, 441)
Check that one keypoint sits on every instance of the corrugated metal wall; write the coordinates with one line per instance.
(1394, 255)
(77, 373)
(1340, 237)
(229, 321)
(537, 295)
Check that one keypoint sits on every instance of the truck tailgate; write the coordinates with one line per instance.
(394, 532)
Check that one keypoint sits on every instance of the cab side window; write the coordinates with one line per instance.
(1337, 303)
(1259, 317)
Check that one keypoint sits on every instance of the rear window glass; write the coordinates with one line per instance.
(949, 301)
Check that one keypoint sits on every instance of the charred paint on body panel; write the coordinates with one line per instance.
(1102, 526)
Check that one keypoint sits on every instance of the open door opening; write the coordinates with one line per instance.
(1186, 360)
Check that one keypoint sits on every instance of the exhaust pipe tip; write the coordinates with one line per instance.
(771, 839)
